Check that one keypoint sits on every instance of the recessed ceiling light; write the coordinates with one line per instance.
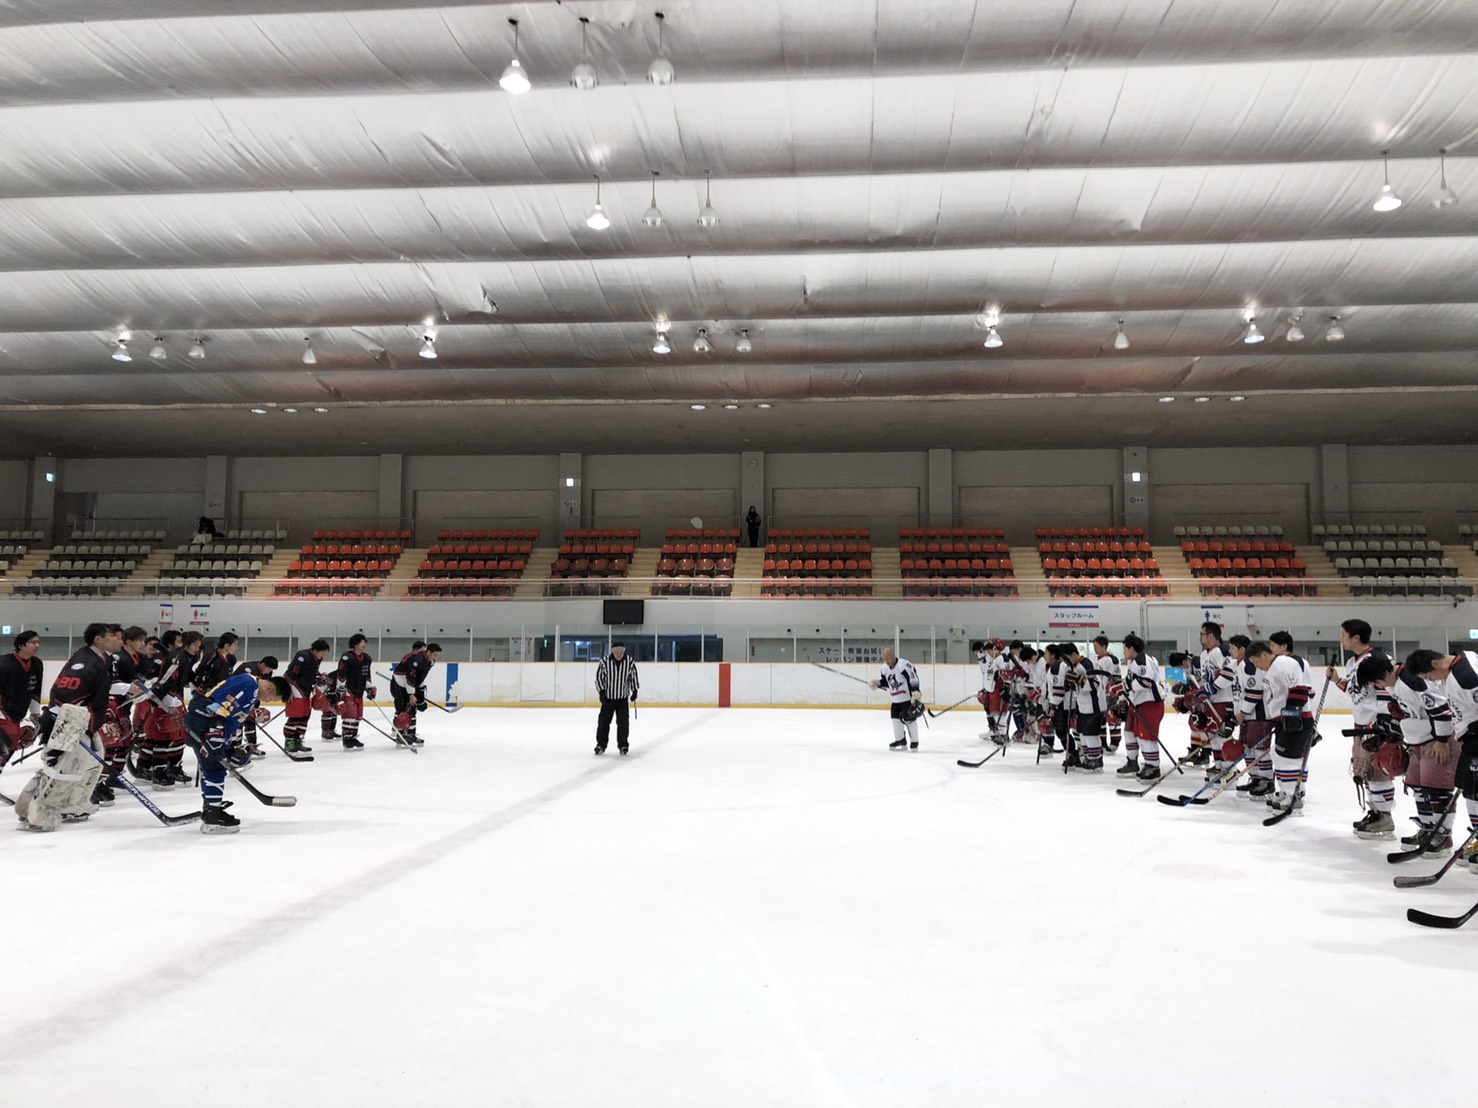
(1202, 399)
(731, 407)
(321, 411)
(1167, 400)
(290, 411)
(698, 407)
(764, 405)
(259, 411)
(1237, 399)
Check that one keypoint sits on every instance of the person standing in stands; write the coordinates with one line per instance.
(752, 520)
(616, 684)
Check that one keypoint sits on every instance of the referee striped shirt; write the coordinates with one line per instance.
(616, 680)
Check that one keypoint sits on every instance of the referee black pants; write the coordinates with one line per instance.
(620, 710)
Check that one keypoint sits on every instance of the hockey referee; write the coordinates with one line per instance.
(615, 683)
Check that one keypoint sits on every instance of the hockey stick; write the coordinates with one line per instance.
(1401, 881)
(1427, 919)
(1426, 835)
(449, 709)
(848, 676)
(292, 755)
(1165, 750)
(1303, 769)
(389, 735)
(137, 794)
(932, 714)
(266, 798)
(1221, 782)
(977, 765)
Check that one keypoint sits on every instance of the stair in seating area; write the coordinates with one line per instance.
(34, 559)
(536, 573)
(272, 572)
(749, 567)
(643, 565)
(1177, 571)
(1317, 565)
(886, 572)
(147, 571)
(1467, 561)
(1031, 581)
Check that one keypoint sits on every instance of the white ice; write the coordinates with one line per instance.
(757, 908)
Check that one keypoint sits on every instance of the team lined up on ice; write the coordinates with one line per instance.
(120, 706)
(1253, 711)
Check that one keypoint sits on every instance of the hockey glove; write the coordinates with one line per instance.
(1178, 690)
(371, 693)
(421, 704)
(1228, 726)
(237, 755)
(261, 715)
(633, 696)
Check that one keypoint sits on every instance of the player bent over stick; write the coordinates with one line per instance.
(211, 728)
(901, 682)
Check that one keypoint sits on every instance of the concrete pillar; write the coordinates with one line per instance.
(392, 489)
(1136, 488)
(941, 491)
(569, 497)
(752, 488)
(217, 478)
(1334, 483)
(41, 509)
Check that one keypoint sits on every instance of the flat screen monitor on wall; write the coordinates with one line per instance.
(625, 613)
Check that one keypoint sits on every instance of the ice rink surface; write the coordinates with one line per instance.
(756, 908)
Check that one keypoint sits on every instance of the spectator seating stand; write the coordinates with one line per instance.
(955, 561)
(592, 561)
(1106, 562)
(338, 563)
(478, 563)
(818, 562)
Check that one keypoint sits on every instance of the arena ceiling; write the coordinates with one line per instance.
(256, 174)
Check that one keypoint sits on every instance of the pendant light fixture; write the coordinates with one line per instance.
(1386, 200)
(660, 72)
(707, 217)
(652, 217)
(583, 75)
(515, 79)
(597, 219)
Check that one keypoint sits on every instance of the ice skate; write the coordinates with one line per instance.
(1439, 846)
(897, 744)
(1150, 772)
(1375, 825)
(1129, 768)
(215, 820)
(352, 743)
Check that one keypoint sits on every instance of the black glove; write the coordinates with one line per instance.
(236, 755)
(633, 696)
(421, 704)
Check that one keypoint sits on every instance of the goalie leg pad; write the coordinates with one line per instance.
(64, 785)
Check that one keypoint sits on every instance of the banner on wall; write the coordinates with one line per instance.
(199, 615)
(1072, 615)
(166, 615)
(1213, 613)
(453, 696)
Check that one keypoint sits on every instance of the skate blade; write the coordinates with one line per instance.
(213, 829)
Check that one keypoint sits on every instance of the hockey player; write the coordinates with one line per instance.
(1286, 696)
(266, 667)
(162, 749)
(352, 683)
(1212, 706)
(408, 688)
(1016, 704)
(212, 724)
(1367, 705)
(1036, 720)
(616, 685)
(1458, 675)
(62, 788)
(20, 695)
(1428, 732)
(1055, 691)
(1114, 689)
(1256, 735)
(215, 667)
(992, 695)
(1087, 687)
(117, 731)
(1144, 690)
(900, 681)
(302, 675)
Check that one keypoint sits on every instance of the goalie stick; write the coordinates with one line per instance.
(1448, 923)
(1425, 835)
(1278, 817)
(1401, 881)
(137, 794)
(266, 798)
